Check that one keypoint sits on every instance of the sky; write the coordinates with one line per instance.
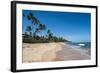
(72, 26)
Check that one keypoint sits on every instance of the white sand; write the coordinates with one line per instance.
(51, 52)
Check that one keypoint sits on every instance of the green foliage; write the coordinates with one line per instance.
(28, 28)
(42, 27)
(31, 36)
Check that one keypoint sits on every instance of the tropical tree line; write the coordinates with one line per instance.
(32, 33)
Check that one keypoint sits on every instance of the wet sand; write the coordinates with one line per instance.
(43, 52)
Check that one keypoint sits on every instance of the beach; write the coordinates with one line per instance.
(44, 52)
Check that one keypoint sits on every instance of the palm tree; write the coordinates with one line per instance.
(50, 34)
(42, 27)
(48, 31)
(29, 16)
(39, 29)
(34, 21)
(29, 29)
(36, 30)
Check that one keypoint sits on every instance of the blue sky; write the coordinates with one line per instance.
(70, 25)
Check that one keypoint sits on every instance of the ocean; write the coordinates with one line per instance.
(83, 45)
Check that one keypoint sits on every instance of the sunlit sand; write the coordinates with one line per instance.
(42, 52)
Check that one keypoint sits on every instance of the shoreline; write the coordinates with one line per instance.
(68, 53)
(59, 51)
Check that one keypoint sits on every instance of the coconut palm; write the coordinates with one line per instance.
(29, 16)
(36, 30)
(50, 34)
(34, 21)
(29, 29)
(42, 27)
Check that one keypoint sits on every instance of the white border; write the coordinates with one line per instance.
(21, 66)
